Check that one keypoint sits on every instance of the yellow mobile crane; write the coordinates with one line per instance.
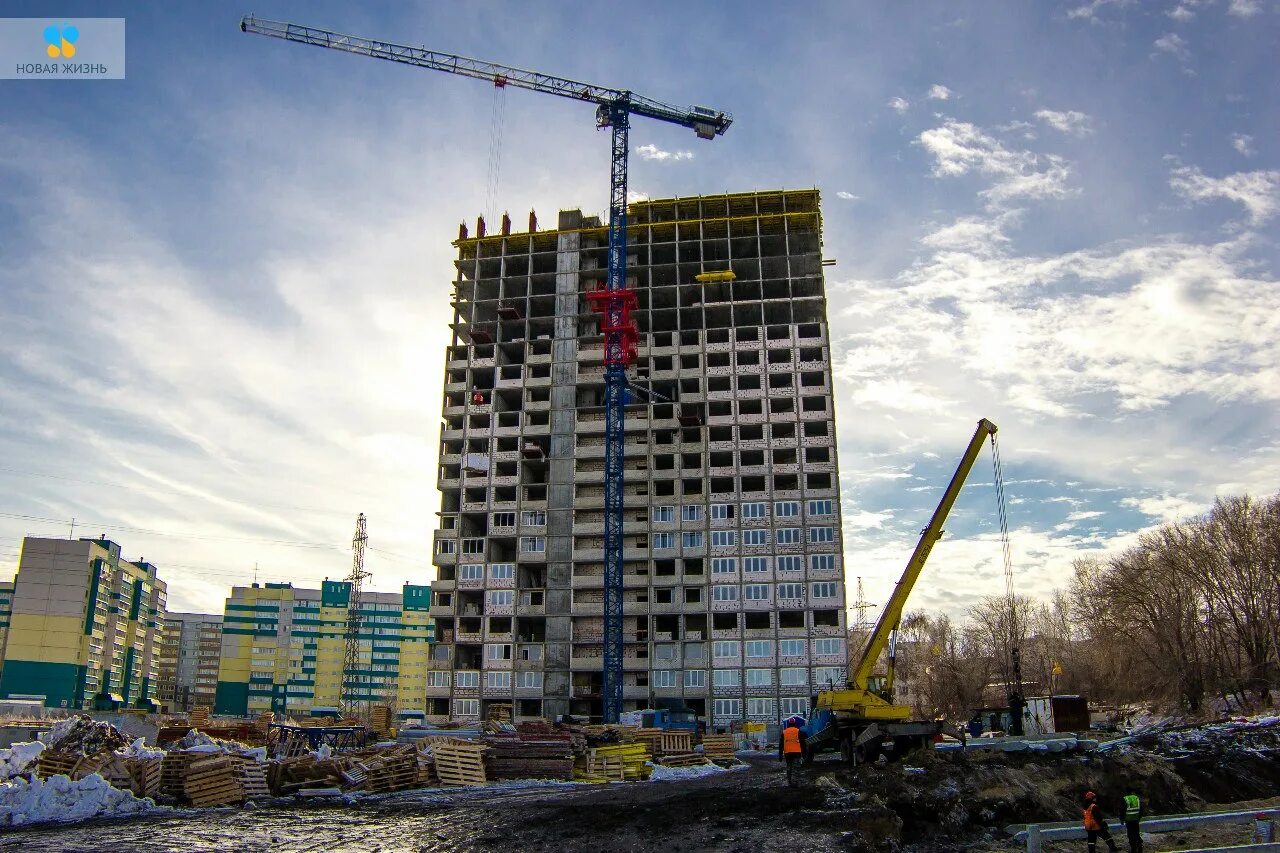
(861, 718)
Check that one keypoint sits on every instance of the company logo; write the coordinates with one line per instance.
(61, 41)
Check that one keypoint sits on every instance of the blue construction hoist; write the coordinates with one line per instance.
(615, 302)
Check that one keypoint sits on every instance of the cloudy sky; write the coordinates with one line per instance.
(226, 278)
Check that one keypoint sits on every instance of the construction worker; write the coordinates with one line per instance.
(1132, 817)
(792, 750)
(1095, 824)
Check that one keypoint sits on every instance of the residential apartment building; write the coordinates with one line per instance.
(190, 650)
(283, 649)
(84, 626)
(734, 593)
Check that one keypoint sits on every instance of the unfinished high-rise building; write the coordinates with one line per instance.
(734, 592)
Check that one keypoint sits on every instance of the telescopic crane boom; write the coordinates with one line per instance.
(874, 701)
(614, 302)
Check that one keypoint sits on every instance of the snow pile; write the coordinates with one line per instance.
(59, 730)
(197, 741)
(16, 760)
(59, 799)
(667, 774)
(139, 749)
(322, 752)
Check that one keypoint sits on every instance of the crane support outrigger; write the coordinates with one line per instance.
(861, 718)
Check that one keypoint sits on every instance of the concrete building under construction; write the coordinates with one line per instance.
(734, 593)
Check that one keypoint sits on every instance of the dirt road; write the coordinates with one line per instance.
(741, 810)
(929, 804)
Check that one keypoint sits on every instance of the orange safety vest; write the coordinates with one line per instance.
(790, 741)
(1090, 817)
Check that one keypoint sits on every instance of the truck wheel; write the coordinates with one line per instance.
(848, 751)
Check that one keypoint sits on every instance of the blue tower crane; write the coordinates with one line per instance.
(615, 302)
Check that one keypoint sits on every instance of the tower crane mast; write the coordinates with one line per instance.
(352, 686)
(615, 302)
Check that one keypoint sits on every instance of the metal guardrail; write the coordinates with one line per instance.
(1037, 833)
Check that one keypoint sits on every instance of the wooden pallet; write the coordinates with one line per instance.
(718, 747)
(91, 764)
(57, 763)
(619, 762)
(139, 775)
(253, 779)
(459, 763)
(173, 772)
(380, 718)
(214, 781)
(354, 776)
(682, 759)
(392, 770)
(199, 718)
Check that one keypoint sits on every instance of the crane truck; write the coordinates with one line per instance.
(861, 719)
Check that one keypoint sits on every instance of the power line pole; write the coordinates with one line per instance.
(351, 679)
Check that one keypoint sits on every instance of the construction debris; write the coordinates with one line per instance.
(94, 760)
(85, 736)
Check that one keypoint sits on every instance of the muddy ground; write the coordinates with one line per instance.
(932, 803)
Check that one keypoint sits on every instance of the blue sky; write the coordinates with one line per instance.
(226, 277)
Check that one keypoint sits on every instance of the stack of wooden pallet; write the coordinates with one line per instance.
(617, 763)
(288, 776)
(720, 749)
(389, 769)
(682, 759)
(380, 719)
(199, 718)
(662, 742)
(215, 780)
(173, 772)
(529, 755)
(459, 763)
(139, 775)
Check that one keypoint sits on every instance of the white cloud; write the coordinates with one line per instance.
(635, 195)
(1089, 11)
(1070, 122)
(978, 235)
(1173, 44)
(847, 196)
(864, 520)
(939, 92)
(1166, 508)
(653, 152)
(1243, 143)
(1185, 10)
(1244, 8)
(959, 148)
(1258, 192)
(899, 105)
(1085, 515)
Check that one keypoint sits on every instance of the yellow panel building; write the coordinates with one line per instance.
(284, 649)
(83, 626)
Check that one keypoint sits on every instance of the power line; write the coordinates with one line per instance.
(144, 531)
